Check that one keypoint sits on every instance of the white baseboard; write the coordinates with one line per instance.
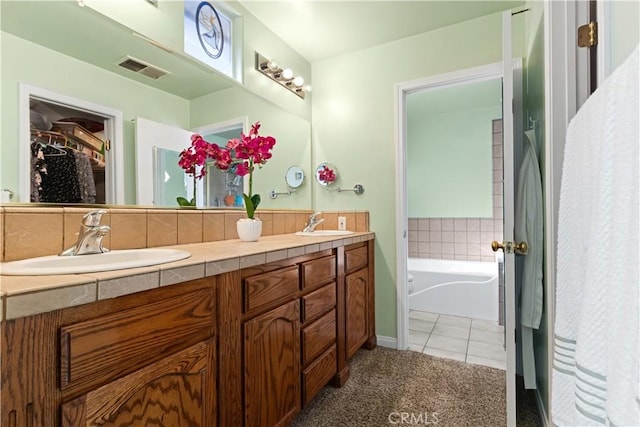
(389, 342)
(541, 409)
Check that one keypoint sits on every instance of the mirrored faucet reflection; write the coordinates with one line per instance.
(90, 235)
(313, 222)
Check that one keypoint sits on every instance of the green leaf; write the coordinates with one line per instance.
(256, 201)
(184, 202)
(248, 204)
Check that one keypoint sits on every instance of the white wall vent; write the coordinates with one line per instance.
(141, 67)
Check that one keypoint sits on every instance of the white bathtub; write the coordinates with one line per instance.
(458, 288)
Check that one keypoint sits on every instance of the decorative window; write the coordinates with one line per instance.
(208, 35)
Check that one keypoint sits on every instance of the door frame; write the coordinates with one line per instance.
(114, 170)
(475, 74)
(455, 78)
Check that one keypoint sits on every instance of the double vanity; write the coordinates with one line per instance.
(212, 339)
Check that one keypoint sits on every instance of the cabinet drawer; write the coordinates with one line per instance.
(318, 374)
(264, 289)
(318, 271)
(356, 258)
(102, 349)
(317, 302)
(318, 336)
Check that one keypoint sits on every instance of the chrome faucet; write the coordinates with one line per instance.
(90, 235)
(313, 222)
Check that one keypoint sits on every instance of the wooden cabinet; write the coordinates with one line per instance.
(285, 349)
(289, 338)
(359, 298)
(272, 367)
(143, 359)
(244, 348)
(356, 303)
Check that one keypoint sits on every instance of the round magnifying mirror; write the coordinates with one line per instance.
(326, 174)
(294, 177)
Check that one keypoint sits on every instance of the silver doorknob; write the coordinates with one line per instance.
(510, 247)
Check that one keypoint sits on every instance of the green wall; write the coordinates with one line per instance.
(26, 62)
(449, 162)
(353, 126)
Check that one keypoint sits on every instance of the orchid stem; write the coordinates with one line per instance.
(250, 177)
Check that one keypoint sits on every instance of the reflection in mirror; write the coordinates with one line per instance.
(326, 174)
(294, 176)
(168, 177)
(85, 68)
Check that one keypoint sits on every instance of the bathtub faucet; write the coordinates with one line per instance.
(313, 222)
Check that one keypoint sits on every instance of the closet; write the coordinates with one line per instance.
(68, 148)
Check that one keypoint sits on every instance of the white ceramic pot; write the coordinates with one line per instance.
(249, 230)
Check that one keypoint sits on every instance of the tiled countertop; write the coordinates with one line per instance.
(28, 295)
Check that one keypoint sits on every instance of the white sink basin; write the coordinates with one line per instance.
(321, 233)
(114, 260)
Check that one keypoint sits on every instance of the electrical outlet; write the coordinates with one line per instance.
(342, 223)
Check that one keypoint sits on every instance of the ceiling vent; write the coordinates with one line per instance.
(141, 67)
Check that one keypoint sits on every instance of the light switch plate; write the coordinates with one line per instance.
(342, 223)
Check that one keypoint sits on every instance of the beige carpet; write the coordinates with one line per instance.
(390, 387)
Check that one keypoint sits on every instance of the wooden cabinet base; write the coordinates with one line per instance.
(341, 377)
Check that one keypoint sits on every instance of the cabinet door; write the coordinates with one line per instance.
(356, 310)
(179, 390)
(272, 367)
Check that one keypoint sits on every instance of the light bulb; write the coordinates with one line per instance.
(307, 88)
(298, 81)
(287, 74)
(272, 65)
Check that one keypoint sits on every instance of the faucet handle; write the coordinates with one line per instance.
(314, 215)
(93, 218)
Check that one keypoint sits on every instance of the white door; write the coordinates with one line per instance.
(512, 127)
(152, 140)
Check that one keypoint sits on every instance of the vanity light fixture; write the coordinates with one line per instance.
(283, 76)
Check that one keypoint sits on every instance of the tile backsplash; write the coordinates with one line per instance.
(27, 232)
(467, 239)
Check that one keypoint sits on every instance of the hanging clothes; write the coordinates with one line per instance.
(86, 182)
(596, 354)
(38, 170)
(529, 228)
(61, 184)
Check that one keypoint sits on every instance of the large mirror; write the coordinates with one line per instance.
(60, 62)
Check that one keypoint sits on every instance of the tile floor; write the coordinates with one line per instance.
(460, 338)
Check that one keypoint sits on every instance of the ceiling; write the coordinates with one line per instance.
(317, 29)
(321, 29)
